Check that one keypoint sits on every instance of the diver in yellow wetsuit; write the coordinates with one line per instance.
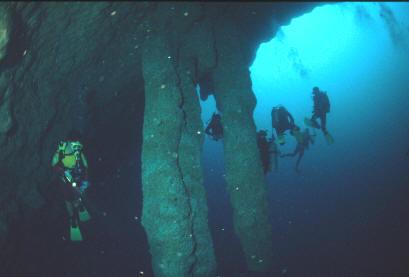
(71, 164)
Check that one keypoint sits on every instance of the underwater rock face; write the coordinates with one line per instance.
(5, 105)
(166, 205)
(174, 206)
(244, 175)
(5, 29)
(69, 53)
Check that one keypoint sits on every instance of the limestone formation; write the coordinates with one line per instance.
(61, 63)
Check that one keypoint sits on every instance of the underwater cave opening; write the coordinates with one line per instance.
(338, 209)
(340, 201)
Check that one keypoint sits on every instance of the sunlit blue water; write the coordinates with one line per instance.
(346, 212)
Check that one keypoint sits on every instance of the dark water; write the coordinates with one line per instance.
(345, 214)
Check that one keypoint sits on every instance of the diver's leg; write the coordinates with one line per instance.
(82, 209)
(323, 118)
(75, 232)
(314, 120)
(70, 209)
(301, 154)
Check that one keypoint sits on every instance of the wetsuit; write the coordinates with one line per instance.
(215, 128)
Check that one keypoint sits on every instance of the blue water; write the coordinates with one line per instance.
(346, 213)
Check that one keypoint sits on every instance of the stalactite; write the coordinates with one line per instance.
(244, 175)
(166, 213)
(190, 162)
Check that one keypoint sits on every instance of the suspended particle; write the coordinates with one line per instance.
(113, 13)
(222, 229)
(260, 261)
(163, 86)
(237, 188)
(136, 218)
(169, 57)
(25, 52)
(186, 14)
(198, 132)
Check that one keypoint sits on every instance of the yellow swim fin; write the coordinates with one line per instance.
(329, 138)
(75, 233)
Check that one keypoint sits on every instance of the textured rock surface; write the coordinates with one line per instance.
(5, 28)
(244, 174)
(174, 208)
(63, 64)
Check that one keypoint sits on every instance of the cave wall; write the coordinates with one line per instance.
(61, 62)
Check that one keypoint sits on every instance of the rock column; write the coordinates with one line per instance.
(190, 162)
(244, 175)
(174, 203)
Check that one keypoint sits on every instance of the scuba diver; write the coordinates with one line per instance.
(215, 128)
(304, 139)
(320, 110)
(268, 151)
(282, 120)
(70, 163)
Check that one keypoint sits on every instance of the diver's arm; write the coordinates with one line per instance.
(56, 158)
(291, 119)
(58, 155)
(55, 162)
(208, 128)
(299, 160)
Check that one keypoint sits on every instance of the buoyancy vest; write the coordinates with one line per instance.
(71, 154)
